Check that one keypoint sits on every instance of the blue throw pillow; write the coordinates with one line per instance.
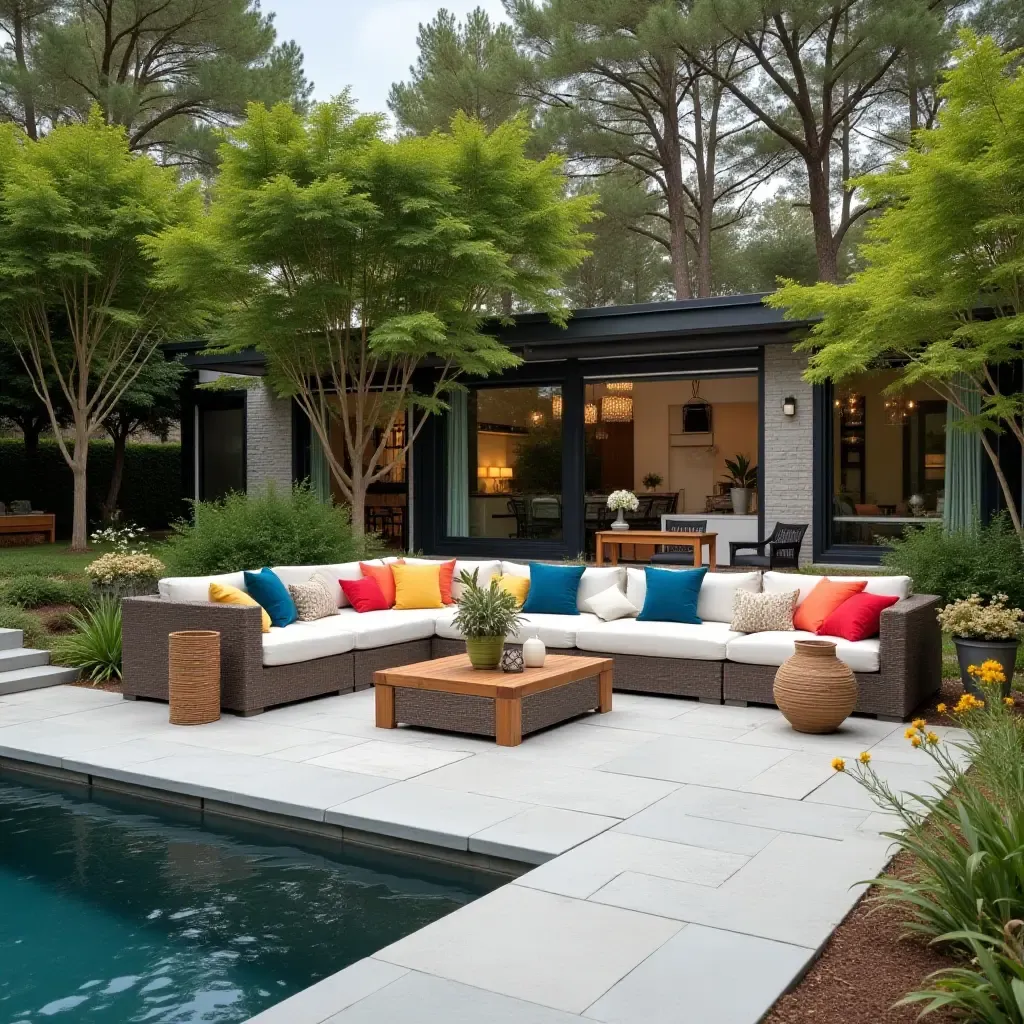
(553, 589)
(672, 595)
(265, 587)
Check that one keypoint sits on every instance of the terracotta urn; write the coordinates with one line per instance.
(814, 689)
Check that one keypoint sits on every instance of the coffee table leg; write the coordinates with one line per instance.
(604, 691)
(508, 721)
(385, 702)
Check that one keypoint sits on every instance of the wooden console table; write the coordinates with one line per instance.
(35, 522)
(613, 540)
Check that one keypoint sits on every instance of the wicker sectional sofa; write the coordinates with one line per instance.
(896, 672)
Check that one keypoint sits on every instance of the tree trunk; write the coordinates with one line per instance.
(1004, 484)
(31, 431)
(116, 475)
(79, 524)
(675, 198)
(358, 508)
(27, 102)
(821, 216)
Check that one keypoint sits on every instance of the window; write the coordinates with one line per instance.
(221, 450)
(505, 463)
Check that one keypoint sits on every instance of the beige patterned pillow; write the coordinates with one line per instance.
(313, 600)
(759, 613)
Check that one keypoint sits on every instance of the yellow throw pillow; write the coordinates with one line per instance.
(221, 593)
(417, 586)
(517, 586)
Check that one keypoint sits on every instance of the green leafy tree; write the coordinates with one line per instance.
(942, 289)
(472, 67)
(19, 402)
(351, 261)
(78, 298)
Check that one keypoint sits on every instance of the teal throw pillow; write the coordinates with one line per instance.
(265, 587)
(553, 589)
(672, 595)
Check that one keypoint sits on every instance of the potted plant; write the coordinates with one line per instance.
(621, 501)
(983, 632)
(652, 481)
(742, 481)
(485, 616)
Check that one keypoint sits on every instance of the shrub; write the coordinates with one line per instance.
(17, 618)
(117, 568)
(986, 561)
(36, 591)
(249, 531)
(95, 647)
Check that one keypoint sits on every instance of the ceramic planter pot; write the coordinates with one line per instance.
(974, 650)
(814, 689)
(619, 522)
(740, 500)
(485, 651)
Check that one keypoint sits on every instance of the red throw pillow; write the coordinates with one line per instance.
(365, 594)
(858, 617)
(445, 581)
(822, 601)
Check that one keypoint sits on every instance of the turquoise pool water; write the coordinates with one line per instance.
(112, 911)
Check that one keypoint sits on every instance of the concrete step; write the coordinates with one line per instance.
(11, 638)
(35, 678)
(22, 657)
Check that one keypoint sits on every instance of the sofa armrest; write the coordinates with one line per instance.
(146, 623)
(910, 653)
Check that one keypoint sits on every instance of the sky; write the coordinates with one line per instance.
(366, 44)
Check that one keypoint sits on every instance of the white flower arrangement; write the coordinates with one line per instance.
(119, 567)
(971, 617)
(626, 500)
(121, 538)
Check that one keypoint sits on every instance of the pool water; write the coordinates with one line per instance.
(114, 911)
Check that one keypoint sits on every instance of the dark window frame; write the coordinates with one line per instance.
(218, 401)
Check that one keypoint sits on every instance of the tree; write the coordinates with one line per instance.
(354, 263)
(815, 73)
(942, 290)
(472, 67)
(19, 402)
(151, 402)
(623, 91)
(77, 293)
(169, 71)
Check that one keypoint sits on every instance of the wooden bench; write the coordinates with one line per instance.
(35, 522)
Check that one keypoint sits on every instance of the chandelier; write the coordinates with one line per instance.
(556, 406)
(898, 410)
(619, 385)
(590, 413)
(616, 409)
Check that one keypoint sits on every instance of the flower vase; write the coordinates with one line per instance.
(814, 689)
(619, 523)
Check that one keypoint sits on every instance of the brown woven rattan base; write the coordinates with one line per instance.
(194, 676)
(365, 663)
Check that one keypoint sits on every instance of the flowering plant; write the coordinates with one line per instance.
(971, 617)
(121, 538)
(623, 499)
(117, 567)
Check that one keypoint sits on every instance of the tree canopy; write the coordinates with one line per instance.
(942, 288)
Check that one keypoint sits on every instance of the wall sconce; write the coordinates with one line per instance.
(537, 418)
(789, 406)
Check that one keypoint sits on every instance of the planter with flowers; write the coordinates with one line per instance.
(127, 571)
(983, 633)
(622, 502)
(486, 615)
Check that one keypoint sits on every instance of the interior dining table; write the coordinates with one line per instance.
(615, 540)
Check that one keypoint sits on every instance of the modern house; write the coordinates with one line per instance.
(522, 463)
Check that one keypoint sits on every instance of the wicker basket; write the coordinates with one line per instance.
(814, 689)
(194, 676)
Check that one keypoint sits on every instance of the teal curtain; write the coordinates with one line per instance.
(319, 473)
(962, 508)
(458, 465)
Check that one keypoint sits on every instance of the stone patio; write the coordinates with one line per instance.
(691, 858)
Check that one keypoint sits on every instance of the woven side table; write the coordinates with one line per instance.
(194, 676)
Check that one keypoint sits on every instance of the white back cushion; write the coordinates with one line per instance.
(717, 592)
(592, 582)
(487, 570)
(196, 588)
(884, 586)
(330, 574)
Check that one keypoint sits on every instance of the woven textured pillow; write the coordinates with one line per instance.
(762, 613)
(313, 600)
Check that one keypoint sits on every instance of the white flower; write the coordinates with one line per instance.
(623, 499)
(971, 617)
(116, 566)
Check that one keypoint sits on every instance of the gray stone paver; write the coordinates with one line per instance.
(681, 846)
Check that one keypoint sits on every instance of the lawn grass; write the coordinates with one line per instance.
(46, 560)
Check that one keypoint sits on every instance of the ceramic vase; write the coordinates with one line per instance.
(619, 523)
(485, 651)
(814, 689)
(534, 652)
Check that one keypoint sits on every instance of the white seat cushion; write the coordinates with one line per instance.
(196, 588)
(717, 591)
(706, 642)
(391, 626)
(305, 641)
(593, 581)
(884, 586)
(556, 631)
(774, 647)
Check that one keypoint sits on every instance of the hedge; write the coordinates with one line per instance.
(150, 489)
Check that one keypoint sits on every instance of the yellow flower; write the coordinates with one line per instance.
(932, 738)
(972, 669)
(864, 758)
(941, 708)
(838, 764)
(910, 733)
(919, 723)
(916, 741)
(1009, 701)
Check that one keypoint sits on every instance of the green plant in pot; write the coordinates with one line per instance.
(984, 632)
(485, 616)
(742, 481)
(652, 481)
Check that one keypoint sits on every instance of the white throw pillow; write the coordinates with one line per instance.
(611, 603)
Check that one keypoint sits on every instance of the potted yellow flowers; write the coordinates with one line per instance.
(984, 633)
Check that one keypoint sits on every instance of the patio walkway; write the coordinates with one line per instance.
(692, 858)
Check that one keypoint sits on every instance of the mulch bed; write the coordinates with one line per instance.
(864, 969)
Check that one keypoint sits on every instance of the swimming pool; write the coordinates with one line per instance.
(113, 911)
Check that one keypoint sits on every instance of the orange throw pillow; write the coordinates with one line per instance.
(445, 581)
(822, 601)
(385, 579)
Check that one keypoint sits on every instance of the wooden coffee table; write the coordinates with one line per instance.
(449, 693)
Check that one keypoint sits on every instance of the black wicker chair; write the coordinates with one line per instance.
(673, 554)
(784, 544)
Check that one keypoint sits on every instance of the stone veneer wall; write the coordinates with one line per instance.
(788, 444)
(268, 441)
